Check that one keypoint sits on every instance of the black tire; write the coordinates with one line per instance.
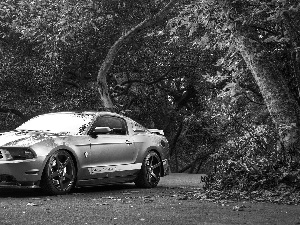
(59, 174)
(150, 173)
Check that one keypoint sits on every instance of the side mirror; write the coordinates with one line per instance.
(157, 131)
(138, 131)
(101, 130)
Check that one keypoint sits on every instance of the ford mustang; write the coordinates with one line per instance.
(64, 150)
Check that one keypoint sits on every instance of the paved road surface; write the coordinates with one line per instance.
(126, 204)
(183, 180)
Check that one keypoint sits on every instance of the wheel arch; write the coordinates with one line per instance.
(47, 181)
(74, 158)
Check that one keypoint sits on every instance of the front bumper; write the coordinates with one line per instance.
(20, 173)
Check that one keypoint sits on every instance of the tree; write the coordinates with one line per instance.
(259, 31)
(56, 27)
(282, 106)
(123, 40)
(68, 42)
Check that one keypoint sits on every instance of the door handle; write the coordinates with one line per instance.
(128, 142)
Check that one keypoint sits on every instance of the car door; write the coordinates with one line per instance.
(109, 150)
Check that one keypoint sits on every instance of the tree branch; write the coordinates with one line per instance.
(201, 157)
(14, 111)
(175, 139)
(163, 77)
(113, 51)
(262, 28)
(71, 83)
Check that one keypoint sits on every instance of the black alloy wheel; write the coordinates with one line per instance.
(150, 173)
(59, 174)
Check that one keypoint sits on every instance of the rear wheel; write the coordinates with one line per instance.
(59, 174)
(150, 173)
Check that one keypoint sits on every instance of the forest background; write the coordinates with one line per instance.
(220, 77)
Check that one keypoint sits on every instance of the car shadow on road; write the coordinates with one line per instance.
(20, 193)
(37, 192)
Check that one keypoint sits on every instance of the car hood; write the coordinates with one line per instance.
(22, 138)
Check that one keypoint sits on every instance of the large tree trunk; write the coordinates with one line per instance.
(281, 104)
(113, 51)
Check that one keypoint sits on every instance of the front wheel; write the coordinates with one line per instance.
(150, 173)
(59, 174)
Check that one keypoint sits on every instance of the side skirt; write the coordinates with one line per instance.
(106, 180)
(111, 174)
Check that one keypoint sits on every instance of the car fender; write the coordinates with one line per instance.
(62, 147)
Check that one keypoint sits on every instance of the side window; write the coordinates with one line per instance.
(138, 127)
(116, 124)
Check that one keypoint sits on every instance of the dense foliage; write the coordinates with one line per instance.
(254, 154)
(187, 74)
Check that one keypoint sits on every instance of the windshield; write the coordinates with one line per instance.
(69, 123)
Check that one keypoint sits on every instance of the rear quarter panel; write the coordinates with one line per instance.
(146, 141)
(149, 142)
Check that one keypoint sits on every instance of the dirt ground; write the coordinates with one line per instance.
(174, 201)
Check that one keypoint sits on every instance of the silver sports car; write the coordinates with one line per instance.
(60, 151)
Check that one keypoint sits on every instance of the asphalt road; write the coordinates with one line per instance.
(125, 204)
(183, 180)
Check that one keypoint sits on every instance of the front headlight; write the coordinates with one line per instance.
(16, 154)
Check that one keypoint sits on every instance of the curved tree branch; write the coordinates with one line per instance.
(14, 111)
(71, 83)
(202, 157)
(175, 139)
(113, 51)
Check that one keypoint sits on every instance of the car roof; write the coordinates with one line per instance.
(89, 112)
